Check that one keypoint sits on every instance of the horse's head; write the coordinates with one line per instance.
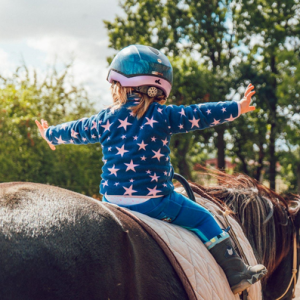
(282, 282)
(270, 222)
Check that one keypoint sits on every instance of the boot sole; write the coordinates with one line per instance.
(246, 283)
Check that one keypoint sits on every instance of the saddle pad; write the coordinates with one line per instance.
(205, 276)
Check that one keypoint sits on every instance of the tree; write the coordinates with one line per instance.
(24, 156)
(267, 28)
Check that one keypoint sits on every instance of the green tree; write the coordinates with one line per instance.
(24, 155)
(268, 28)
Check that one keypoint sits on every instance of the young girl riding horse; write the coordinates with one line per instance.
(135, 134)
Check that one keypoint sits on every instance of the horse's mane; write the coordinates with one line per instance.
(263, 214)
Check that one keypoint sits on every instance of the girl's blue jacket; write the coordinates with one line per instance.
(136, 151)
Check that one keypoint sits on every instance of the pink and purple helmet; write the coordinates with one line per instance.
(144, 68)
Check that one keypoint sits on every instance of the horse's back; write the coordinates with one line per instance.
(57, 244)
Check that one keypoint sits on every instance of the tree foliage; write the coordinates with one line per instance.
(24, 155)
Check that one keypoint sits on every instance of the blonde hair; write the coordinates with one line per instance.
(119, 95)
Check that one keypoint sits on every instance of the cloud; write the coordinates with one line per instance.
(33, 18)
(60, 31)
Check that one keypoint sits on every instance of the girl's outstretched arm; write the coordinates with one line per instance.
(200, 116)
(83, 131)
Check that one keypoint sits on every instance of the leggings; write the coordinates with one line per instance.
(178, 209)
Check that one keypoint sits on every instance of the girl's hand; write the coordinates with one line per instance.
(245, 102)
(42, 127)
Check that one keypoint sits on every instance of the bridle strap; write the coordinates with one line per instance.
(294, 270)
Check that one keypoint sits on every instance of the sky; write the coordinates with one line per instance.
(40, 33)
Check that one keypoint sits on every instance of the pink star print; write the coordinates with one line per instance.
(86, 128)
(93, 136)
(105, 183)
(74, 134)
(165, 173)
(180, 126)
(64, 126)
(157, 155)
(194, 122)
(154, 177)
(215, 122)
(223, 109)
(182, 112)
(71, 141)
(106, 126)
(230, 119)
(159, 110)
(208, 111)
(121, 151)
(100, 122)
(142, 145)
(94, 125)
(135, 138)
(153, 191)
(113, 170)
(84, 139)
(148, 172)
(131, 166)
(124, 123)
(129, 191)
(153, 139)
(143, 157)
(164, 185)
(60, 141)
(165, 141)
(131, 180)
(150, 122)
(123, 137)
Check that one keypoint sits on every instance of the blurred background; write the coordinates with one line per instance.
(54, 57)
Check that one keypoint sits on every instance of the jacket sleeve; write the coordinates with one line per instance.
(199, 116)
(83, 131)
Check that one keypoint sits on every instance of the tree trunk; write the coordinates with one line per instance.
(272, 156)
(221, 147)
(298, 179)
(273, 132)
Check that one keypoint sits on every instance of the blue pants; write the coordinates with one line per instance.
(177, 209)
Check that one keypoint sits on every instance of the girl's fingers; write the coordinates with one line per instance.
(251, 108)
(39, 125)
(249, 95)
(248, 90)
(52, 147)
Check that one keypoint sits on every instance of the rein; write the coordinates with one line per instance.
(294, 269)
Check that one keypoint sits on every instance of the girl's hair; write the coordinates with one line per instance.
(119, 94)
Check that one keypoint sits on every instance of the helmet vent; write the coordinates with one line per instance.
(154, 50)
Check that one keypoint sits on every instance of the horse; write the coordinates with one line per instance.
(270, 221)
(57, 244)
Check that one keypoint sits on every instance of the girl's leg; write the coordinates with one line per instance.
(186, 213)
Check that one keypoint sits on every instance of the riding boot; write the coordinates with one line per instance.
(239, 275)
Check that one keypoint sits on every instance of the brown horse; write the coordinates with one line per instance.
(57, 244)
(269, 222)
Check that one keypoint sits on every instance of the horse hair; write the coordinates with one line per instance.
(263, 214)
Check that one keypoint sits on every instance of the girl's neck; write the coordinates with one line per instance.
(133, 96)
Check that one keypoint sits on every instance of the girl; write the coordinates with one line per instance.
(135, 134)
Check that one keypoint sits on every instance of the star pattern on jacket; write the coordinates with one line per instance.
(139, 147)
(131, 166)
